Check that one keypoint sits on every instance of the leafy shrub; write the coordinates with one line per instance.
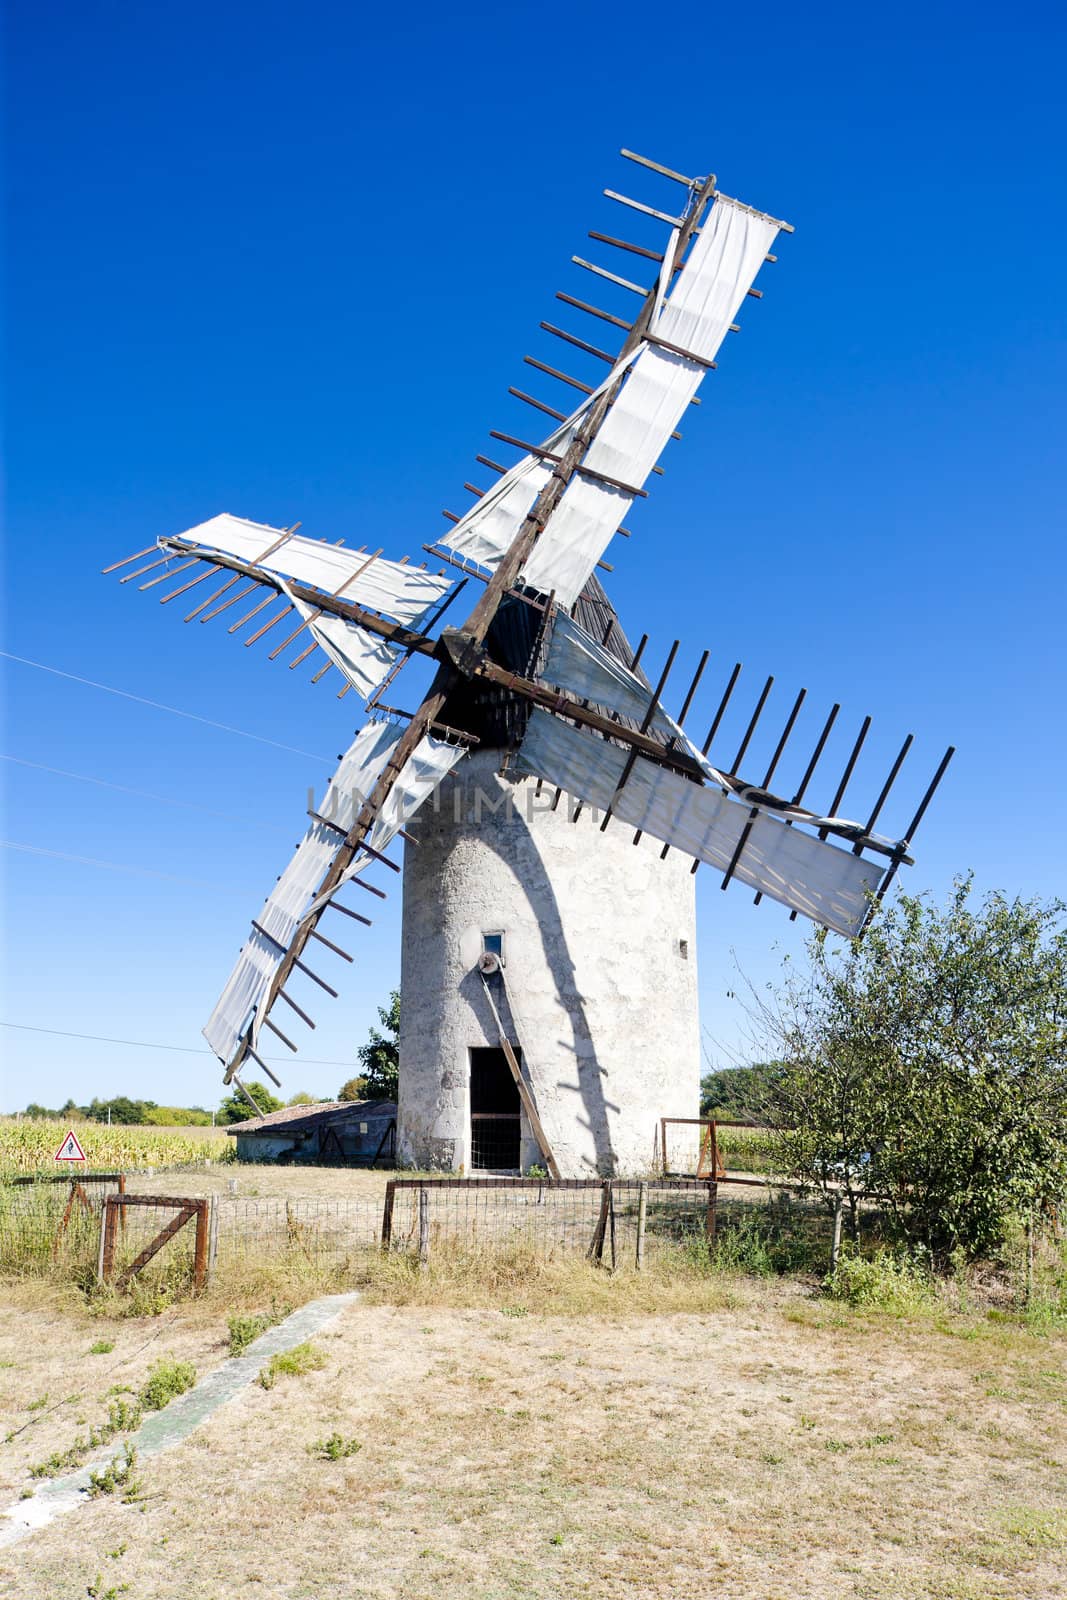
(882, 1282)
(118, 1474)
(294, 1363)
(245, 1328)
(165, 1382)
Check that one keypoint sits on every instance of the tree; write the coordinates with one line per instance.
(379, 1058)
(302, 1098)
(122, 1109)
(927, 1068)
(740, 1093)
(235, 1108)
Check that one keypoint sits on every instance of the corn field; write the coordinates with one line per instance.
(30, 1145)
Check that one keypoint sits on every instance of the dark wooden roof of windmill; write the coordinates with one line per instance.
(496, 716)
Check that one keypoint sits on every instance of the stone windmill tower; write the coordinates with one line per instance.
(558, 813)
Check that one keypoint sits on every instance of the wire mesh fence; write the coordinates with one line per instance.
(68, 1228)
(596, 1218)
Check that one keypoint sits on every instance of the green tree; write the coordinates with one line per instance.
(379, 1058)
(121, 1108)
(741, 1094)
(235, 1107)
(928, 1068)
(302, 1098)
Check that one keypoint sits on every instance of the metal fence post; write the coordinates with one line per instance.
(424, 1227)
(212, 1234)
(642, 1213)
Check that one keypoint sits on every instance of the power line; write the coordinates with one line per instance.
(112, 866)
(157, 705)
(141, 794)
(147, 1044)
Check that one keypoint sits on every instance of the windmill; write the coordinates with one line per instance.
(537, 696)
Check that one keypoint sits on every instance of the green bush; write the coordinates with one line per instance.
(294, 1363)
(165, 1382)
(883, 1282)
(245, 1327)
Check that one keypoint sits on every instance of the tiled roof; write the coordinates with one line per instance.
(301, 1119)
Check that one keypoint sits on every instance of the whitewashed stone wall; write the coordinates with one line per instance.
(601, 969)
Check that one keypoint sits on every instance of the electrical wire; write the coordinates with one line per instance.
(113, 866)
(157, 705)
(141, 794)
(147, 1044)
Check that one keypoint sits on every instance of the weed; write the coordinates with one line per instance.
(557, 1538)
(118, 1474)
(27, 1494)
(243, 1329)
(122, 1417)
(120, 1551)
(96, 1590)
(882, 1282)
(102, 1347)
(165, 1382)
(39, 1404)
(335, 1448)
(294, 1363)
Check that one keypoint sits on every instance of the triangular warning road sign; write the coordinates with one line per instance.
(70, 1149)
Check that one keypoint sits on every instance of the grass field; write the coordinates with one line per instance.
(572, 1439)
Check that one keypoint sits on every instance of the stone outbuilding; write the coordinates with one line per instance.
(350, 1132)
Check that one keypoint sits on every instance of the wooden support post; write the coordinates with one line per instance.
(596, 1248)
(108, 1224)
(424, 1228)
(835, 1238)
(642, 1217)
(200, 1248)
(387, 1214)
(710, 1218)
(663, 1144)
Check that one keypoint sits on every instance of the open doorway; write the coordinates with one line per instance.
(495, 1130)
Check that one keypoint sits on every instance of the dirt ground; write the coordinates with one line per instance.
(774, 1448)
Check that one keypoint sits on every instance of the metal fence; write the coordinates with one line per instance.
(75, 1229)
(609, 1221)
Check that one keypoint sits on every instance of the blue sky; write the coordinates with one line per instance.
(285, 261)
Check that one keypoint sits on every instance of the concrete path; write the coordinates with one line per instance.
(162, 1430)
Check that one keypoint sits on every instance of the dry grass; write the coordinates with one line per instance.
(764, 1444)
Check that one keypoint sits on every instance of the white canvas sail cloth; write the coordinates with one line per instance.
(695, 315)
(360, 656)
(239, 1012)
(403, 592)
(817, 879)
(575, 661)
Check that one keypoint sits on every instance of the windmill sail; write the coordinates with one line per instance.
(830, 885)
(681, 341)
(294, 904)
(587, 720)
(407, 593)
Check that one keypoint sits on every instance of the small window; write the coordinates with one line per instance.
(683, 949)
(493, 945)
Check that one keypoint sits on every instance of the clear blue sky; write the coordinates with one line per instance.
(284, 261)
